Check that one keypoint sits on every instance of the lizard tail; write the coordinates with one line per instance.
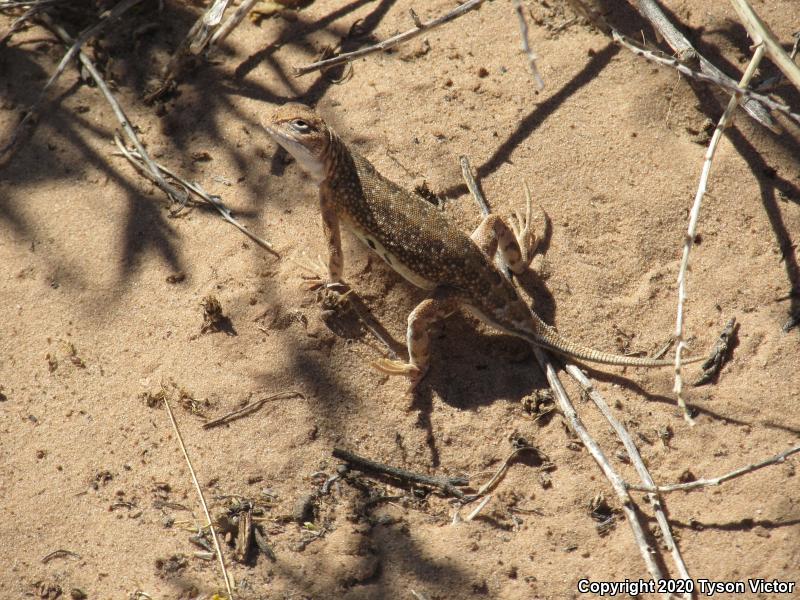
(550, 339)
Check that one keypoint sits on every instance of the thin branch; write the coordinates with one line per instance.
(206, 26)
(134, 157)
(179, 196)
(195, 42)
(700, 483)
(202, 498)
(475, 190)
(445, 484)
(478, 508)
(761, 34)
(19, 23)
(575, 424)
(636, 459)
(419, 29)
(472, 186)
(722, 348)
(500, 473)
(249, 408)
(74, 48)
(526, 47)
(617, 483)
(9, 4)
(232, 22)
(692, 230)
(684, 70)
(650, 10)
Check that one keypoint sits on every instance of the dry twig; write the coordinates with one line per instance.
(250, 408)
(20, 22)
(684, 70)
(761, 34)
(232, 22)
(134, 157)
(617, 483)
(692, 230)
(489, 485)
(419, 29)
(445, 484)
(194, 43)
(73, 50)
(526, 47)
(713, 365)
(700, 483)
(217, 547)
(179, 196)
(638, 463)
(650, 10)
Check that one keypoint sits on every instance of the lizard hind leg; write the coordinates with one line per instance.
(441, 304)
(517, 242)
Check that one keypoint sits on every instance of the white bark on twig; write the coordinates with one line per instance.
(636, 459)
(701, 483)
(692, 229)
(419, 29)
(526, 47)
(617, 483)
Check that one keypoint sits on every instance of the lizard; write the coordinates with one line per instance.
(419, 242)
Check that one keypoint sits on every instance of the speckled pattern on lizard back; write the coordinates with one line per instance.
(419, 242)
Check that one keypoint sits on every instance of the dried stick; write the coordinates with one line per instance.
(74, 48)
(249, 408)
(489, 485)
(195, 42)
(472, 186)
(761, 34)
(526, 48)
(700, 483)
(232, 22)
(638, 463)
(19, 22)
(419, 29)
(446, 484)
(713, 365)
(202, 498)
(205, 27)
(134, 157)
(478, 508)
(692, 230)
(617, 483)
(651, 11)
(174, 194)
(684, 70)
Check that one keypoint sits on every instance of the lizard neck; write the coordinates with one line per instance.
(339, 165)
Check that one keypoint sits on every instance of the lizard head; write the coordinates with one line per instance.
(303, 134)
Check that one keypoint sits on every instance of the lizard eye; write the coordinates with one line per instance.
(300, 126)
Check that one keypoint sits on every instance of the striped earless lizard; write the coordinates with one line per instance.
(421, 244)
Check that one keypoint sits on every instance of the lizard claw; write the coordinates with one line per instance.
(314, 280)
(521, 226)
(398, 367)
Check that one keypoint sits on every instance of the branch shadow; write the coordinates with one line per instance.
(539, 115)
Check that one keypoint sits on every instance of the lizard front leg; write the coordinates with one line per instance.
(333, 237)
(517, 243)
(443, 303)
(333, 240)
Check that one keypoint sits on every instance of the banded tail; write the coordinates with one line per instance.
(548, 338)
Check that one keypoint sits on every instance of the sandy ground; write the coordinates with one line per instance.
(102, 288)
